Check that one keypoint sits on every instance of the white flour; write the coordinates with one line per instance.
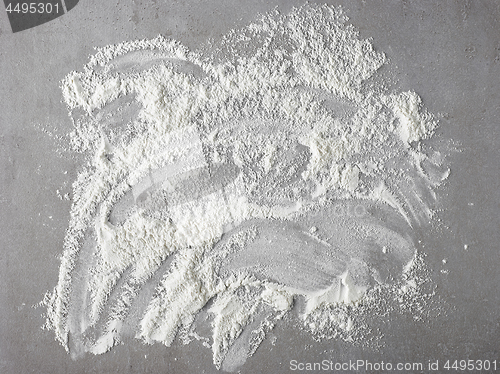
(263, 177)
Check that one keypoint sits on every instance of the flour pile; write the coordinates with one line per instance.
(269, 175)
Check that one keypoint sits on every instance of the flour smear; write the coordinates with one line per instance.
(263, 178)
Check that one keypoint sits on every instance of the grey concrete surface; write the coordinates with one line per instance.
(447, 51)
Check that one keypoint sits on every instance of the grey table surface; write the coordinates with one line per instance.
(446, 51)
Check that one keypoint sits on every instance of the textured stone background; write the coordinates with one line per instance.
(447, 51)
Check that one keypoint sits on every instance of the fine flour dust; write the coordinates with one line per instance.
(262, 178)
